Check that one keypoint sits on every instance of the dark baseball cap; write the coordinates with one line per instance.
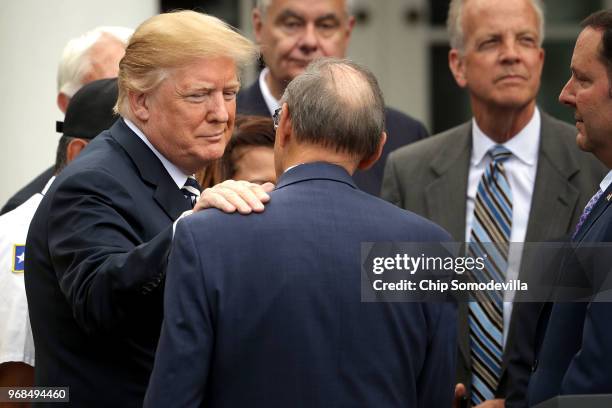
(90, 110)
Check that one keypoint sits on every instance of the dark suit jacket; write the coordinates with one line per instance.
(401, 130)
(97, 248)
(575, 356)
(266, 311)
(33, 187)
(430, 178)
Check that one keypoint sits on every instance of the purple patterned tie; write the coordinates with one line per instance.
(587, 210)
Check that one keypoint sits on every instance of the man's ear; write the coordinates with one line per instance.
(456, 63)
(62, 101)
(257, 20)
(74, 148)
(283, 133)
(350, 26)
(139, 105)
(368, 162)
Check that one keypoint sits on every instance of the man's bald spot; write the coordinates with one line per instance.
(349, 86)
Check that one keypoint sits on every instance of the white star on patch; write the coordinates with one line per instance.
(21, 257)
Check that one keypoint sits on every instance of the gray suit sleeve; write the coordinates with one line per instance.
(390, 190)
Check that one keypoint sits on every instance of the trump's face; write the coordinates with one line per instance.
(190, 115)
(502, 60)
(293, 33)
(588, 92)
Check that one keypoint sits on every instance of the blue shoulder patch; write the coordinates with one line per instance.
(18, 258)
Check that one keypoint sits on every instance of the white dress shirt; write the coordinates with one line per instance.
(521, 172)
(271, 102)
(605, 183)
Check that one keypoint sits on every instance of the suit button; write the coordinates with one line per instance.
(534, 366)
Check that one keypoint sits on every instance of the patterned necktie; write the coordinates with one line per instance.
(587, 210)
(191, 190)
(490, 239)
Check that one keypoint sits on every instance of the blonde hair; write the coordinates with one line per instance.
(174, 39)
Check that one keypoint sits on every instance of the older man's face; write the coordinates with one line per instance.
(502, 60)
(295, 32)
(191, 113)
(588, 92)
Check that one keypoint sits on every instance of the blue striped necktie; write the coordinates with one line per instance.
(191, 190)
(490, 239)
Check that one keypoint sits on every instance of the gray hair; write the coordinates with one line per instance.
(262, 6)
(454, 23)
(337, 103)
(75, 61)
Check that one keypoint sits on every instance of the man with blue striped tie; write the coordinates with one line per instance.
(511, 174)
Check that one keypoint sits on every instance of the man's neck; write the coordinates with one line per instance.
(502, 124)
(276, 87)
(307, 153)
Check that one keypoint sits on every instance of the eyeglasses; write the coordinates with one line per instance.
(276, 117)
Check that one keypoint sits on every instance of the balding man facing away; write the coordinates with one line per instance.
(280, 321)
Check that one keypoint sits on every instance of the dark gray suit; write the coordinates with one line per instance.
(430, 178)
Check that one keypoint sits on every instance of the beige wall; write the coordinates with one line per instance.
(32, 36)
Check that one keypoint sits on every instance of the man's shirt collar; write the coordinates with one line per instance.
(524, 145)
(271, 102)
(177, 175)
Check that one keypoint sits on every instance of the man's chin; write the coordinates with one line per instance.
(583, 143)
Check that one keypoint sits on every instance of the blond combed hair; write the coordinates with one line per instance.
(171, 40)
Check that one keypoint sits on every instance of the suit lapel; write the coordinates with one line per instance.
(596, 212)
(446, 199)
(446, 195)
(166, 194)
(554, 197)
(251, 101)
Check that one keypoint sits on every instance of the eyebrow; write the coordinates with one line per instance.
(489, 34)
(285, 14)
(203, 86)
(330, 16)
(576, 71)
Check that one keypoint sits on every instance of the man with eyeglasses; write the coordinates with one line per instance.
(292, 34)
(280, 322)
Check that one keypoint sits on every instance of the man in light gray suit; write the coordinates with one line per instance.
(496, 55)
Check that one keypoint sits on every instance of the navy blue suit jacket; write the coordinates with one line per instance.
(96, 252)
(266, 311)
(575, 353)
(401, 130)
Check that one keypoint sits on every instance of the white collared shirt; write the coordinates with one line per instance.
(271, 102)
(605, 183)
(521, 170)
(177, 175)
